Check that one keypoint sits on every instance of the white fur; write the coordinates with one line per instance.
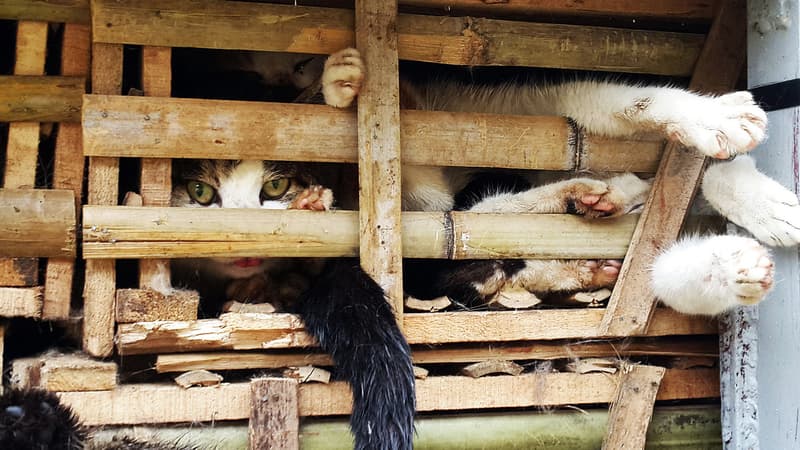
(708, 276)
(750, 199)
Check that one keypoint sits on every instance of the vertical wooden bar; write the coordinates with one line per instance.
(2, 349)
(100, 288)
(156, 175)
(67, 172)
(274, 414)
(379, 148)
(717, 70)
(23, 144)
(632, 407)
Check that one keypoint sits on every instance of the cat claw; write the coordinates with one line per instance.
(314, 198)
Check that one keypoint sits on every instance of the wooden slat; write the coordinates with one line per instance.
(69, 11)
(17, 272)
(447, 40)
(67, 172)
(274, 417)
(37, 223)
(63, 372)
(135, 232)
(696, 346)
(21, 302)
(41, 99)
(192, 128)
(678, 178)
(632, 407)
(134, 404)
(274, 331)
(98, 294)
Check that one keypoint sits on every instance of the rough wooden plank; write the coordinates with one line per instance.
(68, 168)
(678, 178)
(131, 232)
(100, 284)
(69, 11)
(133, 404)
(37, 223)
(19, 272)
(57, 372)
(274, 331)
(21, 302)
(142, 127)
(447, 40)
(697, 346)
(274, 416)
(144, 305)
(632, 407)
(41, 99)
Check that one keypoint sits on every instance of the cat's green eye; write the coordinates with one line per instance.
(276, 188)
(201, 192)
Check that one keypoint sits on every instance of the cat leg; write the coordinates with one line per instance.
(708, 276)
(752, 200)
(314, 198)
(719, 127)
(581, 196)
(547, 276)
(342, 77)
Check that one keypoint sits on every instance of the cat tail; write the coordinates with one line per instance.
(348, 314)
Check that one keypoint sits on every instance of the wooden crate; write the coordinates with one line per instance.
(116, 126)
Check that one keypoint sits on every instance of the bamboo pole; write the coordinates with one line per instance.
(275, 331)
(37, 223)
(135, 232)
(193, 128)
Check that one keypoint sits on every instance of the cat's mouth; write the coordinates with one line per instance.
(248, 262)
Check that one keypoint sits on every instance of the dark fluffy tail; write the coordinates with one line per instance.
(348, 314)
(36, 420)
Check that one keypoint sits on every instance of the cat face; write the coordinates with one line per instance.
(237, 184)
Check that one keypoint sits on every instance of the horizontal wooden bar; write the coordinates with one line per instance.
(274, 331)
(140, 232)
(446, 40)
(697, 346)
(217, 129)
(68, 11)
(41, 98)
(154, 403)
(37, 223)
(21, 301)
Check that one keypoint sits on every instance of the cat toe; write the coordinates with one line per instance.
(754, 274)
(604, 272)
(342, 77)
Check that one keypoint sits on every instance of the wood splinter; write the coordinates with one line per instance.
(198, 378)
(308, 374)
(432, 305)
(592, 365)
(484, 368)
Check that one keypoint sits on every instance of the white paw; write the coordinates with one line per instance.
(720, 127)
(755, 202)
(747, 271)
(342, 77)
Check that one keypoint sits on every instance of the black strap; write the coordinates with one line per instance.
(773, 97)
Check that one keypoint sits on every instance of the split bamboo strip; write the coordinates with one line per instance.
(21, 302)
(274, 416)
(134, 404)
(193, 128)
(69, 11)
(446, 40)
(37, 223)
(98, 294)
(136, 232)
(67, 172)
(632, 407)
(41, 99)
(678, 178)
(697, 346)
(277, 331)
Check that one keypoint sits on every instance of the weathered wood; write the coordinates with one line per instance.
(678, 178)
(21, 302)
(100, 284)
(198, 378)
(145, 305)
(142, 127)
(41, 99)
(696, 346)
(67, 172)
(632, 407)
(495, 366)
(132, 404)
(19, 272)
(37, 223)
(127, 232)
(447, 40)
(69, 11)
(63, 373)
(274, 417)
(273, 331)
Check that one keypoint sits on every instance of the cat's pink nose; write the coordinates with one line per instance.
(248, 262)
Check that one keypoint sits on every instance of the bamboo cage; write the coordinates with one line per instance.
(116, 126)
